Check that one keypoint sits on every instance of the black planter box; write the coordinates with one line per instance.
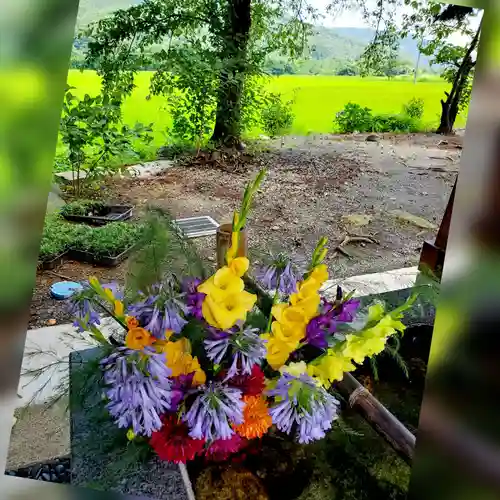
(111, 213)
(50, 264)
(90, 258)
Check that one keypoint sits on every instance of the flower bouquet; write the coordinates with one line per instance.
(200, 372)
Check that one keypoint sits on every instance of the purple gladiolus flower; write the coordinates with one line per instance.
(137, 397)
(246, 347)
(322, 326)
(180, 386)
(346, 311)
(214, 411)
(318, 329)
(194, 299)
(303, 405)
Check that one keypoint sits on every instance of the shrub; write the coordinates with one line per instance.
(277, 116)
(394, 123)
(414, 108)
(81, 207)
(354, 118)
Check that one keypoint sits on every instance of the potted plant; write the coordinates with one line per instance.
(95, 212)
(107, 245)
(56, 237)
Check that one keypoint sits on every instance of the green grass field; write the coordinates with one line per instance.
(317, 99)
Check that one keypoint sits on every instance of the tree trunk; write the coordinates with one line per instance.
(227, 130)
(451, 106)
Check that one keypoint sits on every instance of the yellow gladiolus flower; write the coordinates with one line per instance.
(358, 347)
(239, 266)
(375, 312)
(294, 315)
(319, 274)
(277, 352)
(309, 305)
(277, 311)
(288, 335)
(222, 283)
(93, 281)
(225, 313)
(330, 368)
(295, 369)
(119, 308)
(308, 287)
(233, 249)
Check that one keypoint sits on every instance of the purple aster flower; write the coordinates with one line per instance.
(214, 411)
(138, 393)
(172, 318)
(246, 348)
(303, 405)
(82, 306)
(157, 313)
(194, 299)
(280, 275)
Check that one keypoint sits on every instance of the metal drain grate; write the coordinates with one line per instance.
(196, 227)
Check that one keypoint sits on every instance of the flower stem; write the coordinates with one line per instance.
(275, 301)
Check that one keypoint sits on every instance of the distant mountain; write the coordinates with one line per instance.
(330, 42)
(329, 47)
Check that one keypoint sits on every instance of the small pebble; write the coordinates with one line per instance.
(60, 469)
(51, 322)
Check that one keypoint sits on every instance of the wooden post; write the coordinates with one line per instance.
(432, 255)
(223, 242)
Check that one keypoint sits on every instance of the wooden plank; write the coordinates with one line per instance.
(433, 254)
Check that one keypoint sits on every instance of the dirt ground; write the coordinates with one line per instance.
(316, 186)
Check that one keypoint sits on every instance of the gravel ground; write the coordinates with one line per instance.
(315, 185)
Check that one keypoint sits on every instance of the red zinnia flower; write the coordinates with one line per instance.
(172, 442)
(250, 385)
(222, 449)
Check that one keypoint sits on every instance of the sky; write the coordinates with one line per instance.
(354, 19)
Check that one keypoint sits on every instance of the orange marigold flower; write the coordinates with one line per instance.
(257, 420)
(138, 338)
(132, 322)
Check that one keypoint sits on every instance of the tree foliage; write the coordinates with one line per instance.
(92, 132)
(431, 23)
(213, 48)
